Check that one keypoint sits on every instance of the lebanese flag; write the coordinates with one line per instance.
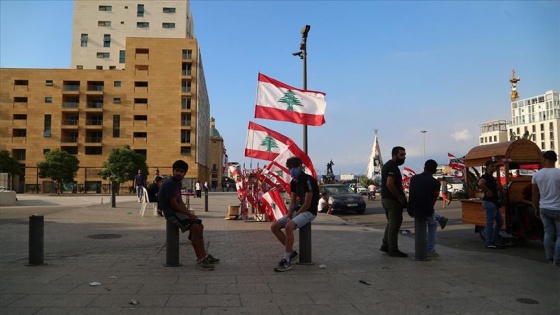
(279, 101)
(408, 172)
(293, 150)
(456, 163)
(273, 179)
(263, 143)
(274, 204)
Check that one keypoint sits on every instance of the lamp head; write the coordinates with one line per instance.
(305, 31)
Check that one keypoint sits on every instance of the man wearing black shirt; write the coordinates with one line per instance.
(491, 205)
(303, 209)
(393, 201)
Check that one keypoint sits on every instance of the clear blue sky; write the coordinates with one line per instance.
(396, 66)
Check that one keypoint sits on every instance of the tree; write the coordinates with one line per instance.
(8, 164)
(290, 99)
(60, 166)
(123, 164)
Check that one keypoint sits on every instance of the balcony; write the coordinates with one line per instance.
(70, 106)
(69, 139)
(94, 105)
(69, 122)
(94, 124)
(94, 89)
(94, 139)
(187, 72)
(185, 123)
(71, 89)
(19, 122)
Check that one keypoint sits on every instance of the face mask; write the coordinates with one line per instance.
(400, 161)
(295, 172)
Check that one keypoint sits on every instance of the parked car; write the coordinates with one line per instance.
(361, 189)
(343, 198)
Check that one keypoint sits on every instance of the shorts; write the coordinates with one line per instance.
(185, 220)
(300, 219)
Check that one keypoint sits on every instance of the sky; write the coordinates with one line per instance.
(397, 67)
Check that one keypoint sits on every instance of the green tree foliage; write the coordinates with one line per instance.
(123, 164)
(60, 166)
(269, 143)
(290, 99)
(364, 181)
(8, 164)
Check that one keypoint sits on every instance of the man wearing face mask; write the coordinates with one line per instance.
(393, 201)
(303, 209)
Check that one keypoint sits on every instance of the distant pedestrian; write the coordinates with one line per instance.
(157, 174)
(303, 209)
(139, 183)
(324, 206)
(546, 201)
(172, 204)
(491, 205)
(198, 189)
(445, 195)
(393, 201)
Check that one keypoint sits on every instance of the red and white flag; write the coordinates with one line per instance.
(456, 163)
(406, 175)
(263, 143)
(294, 150)
(274, 204)
(279, 101)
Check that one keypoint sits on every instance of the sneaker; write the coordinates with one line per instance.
(491, 246)
(283, 265)
(204, 264)
(160, 213)
(500, 245)
(398, 253)
(384, 249)
(294, 256)
(443, 222)
(432, 253)
(212, 260)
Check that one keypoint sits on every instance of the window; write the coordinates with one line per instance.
(47, 131)
(45, 151)
(48, 99)
(185, 136)
(141, 117)
(105, 8)
(140, 84)
(18, 154)
(103, 23)
(140, 135)
(142, 24)
(99, 67)
(185, 120)
(116, 126)
(20, 117)
(140, 10)
(20, 133)
(117, 84)
(168, 25)
(94, 150)
(103, 55)
(21, 82)
(79, 67)
(107, 40)
(186, 103)
(49, 83)
(186, 86)
(69, 150)
(112, 68)
(20, 99)
(186, 151)
(142, 152)
(84, 40)
(122, 55)
(168, 10)
(187, 54)
(140, 101)
(116, 100)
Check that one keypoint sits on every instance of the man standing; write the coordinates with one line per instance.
(424, 192)
(393, 201)
(139, 183)
(171, 202)
(491, 205)
(198, 189)
(303, 209)
(546, 201)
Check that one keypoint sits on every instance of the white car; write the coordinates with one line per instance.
(361, 189)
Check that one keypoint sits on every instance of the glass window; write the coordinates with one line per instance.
(117, 100)
(47, 131)
(105, 8)
(116, 126)
(107, 40)
(143, 24)
(103, 23)
(140, 10)
(18, 154)
(168, 25)
(186, 151)
(122, 55)
(84, 40)
(48, 99)
(117, 84)
(168, 10)
(49, 83)
(187, 54)
(103, 55)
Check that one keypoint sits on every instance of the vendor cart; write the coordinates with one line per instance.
(517, 160)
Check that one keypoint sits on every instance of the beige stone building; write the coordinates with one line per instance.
(158, 105)
(100, 28)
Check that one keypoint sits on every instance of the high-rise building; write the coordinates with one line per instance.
(100, 28)
(493, 132)
(158, 105)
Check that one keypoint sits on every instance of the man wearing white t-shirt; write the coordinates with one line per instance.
(324, 205)
(546, 201)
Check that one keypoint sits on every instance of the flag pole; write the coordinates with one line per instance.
(304, 231)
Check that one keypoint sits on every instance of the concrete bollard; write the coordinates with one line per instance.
(172, 245)
(205, 200)
(420, 234)
(305, 257)
(36, 239)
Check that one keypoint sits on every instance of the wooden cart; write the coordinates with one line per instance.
(516, 159)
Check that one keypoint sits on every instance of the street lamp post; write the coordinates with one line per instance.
(304, 231)
(424, 136)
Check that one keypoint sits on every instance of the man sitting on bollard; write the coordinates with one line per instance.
(171, 202)
(303, 209)
(423, 194)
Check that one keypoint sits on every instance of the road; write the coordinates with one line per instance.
(456, 234)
